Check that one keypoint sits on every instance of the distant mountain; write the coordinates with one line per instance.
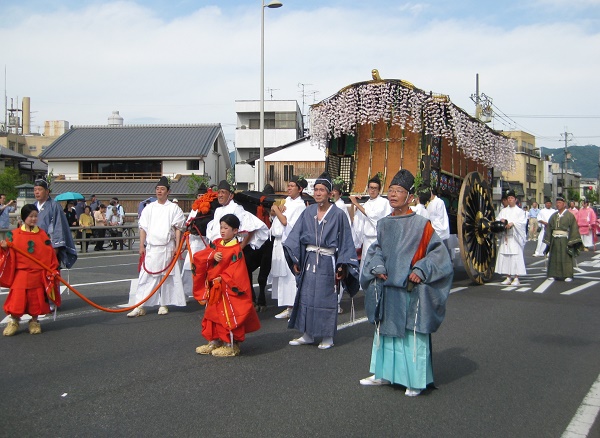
(586, 159)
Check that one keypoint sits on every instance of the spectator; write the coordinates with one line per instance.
(5, 210)
(533, 221)
(80, 207)
(71, 216)
(94, 204)
(100, 221)
(115, 221)
(86, 221)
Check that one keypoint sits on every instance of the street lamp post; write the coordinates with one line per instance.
(261, 165)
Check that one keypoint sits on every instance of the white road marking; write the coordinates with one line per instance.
(352, 323)
(580, 288)
(584, 418)
(523, 289)
(542, 287)
(457, 289)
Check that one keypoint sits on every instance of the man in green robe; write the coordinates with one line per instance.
(563, 242)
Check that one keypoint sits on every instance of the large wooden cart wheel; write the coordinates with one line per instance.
(477, 242)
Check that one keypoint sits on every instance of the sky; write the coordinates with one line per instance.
(188, 61)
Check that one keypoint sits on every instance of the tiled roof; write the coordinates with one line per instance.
(134, 141)
(123, 189)
(8, 153)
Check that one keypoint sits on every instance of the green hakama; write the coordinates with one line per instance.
(564, 244)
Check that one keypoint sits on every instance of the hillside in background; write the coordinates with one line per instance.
(585, 159)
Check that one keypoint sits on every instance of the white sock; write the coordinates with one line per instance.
(306, 338)
(327, 341)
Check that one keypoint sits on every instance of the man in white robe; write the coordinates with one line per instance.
(284, 281)
(439, 218)
(543, 218)
(196, 223)
(419, 208)
(510, 261)
(336, 196)
(252, 234)
(367, 215)
(161, 225)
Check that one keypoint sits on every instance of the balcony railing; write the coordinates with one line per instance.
(529, 151)
(120, 175)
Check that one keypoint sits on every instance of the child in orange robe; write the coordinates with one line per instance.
(221, 282)
(32, 286)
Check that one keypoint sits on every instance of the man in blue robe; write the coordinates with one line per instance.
(52, 219)
(406, 277)
(320, 251)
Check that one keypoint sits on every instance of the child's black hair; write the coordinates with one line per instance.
(26, 210)
(231, 220)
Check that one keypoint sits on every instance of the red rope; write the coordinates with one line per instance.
(90, 302)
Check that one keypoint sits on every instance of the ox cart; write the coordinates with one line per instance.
(381, 126)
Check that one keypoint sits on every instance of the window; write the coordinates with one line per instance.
(285, 120)
(271, 172)
(192, 165)
(288, 172)
(33, 148)
(120, 169)
(216, 146)
(275, 121)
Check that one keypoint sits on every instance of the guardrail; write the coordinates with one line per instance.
(126, 233)
(124, 236)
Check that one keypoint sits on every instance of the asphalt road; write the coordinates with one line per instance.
(508, 362)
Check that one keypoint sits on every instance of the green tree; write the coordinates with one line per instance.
(9, 179)
(196, 181)
(573, 195)
(592, 197)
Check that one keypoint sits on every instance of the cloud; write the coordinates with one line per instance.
(81, 64)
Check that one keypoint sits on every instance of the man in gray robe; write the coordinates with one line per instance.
(52, 219)
(320, 251)
(407, 277)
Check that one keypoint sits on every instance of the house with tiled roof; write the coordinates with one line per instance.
(126, 161)
(30, 167)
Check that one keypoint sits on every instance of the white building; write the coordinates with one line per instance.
(283, 125)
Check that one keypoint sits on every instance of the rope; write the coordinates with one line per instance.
(55, 274)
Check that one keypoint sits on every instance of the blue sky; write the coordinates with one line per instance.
(184, 61)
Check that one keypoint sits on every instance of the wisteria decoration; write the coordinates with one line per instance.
(412, 109)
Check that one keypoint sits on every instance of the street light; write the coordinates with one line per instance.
(261, 165)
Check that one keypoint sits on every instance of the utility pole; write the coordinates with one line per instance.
(304, 115)
(567, 158)
(483, 104)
